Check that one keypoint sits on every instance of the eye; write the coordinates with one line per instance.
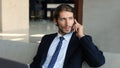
(62, 19)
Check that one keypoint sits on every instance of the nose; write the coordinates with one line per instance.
(67, 21)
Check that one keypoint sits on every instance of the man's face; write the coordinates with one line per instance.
(65, 22)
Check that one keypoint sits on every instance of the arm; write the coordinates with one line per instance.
(38, 57)
(93, 56)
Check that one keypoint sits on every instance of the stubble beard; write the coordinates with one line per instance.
(61, 31)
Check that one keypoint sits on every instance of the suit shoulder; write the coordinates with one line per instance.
(50, 35)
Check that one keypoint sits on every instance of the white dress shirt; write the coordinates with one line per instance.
(61, 57)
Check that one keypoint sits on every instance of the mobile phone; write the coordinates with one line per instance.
(73, 25)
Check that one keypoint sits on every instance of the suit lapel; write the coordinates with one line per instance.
(71, 47)
(49, 41)
(47, 45)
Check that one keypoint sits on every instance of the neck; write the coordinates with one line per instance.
(62, 33)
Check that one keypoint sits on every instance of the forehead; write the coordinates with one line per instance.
(65, 14)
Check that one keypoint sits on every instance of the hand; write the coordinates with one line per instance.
(78, 28)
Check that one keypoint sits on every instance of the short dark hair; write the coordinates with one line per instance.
(63, 7)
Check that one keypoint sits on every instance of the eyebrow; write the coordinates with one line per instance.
(65, 18)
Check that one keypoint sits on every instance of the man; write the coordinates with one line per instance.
(76, 47)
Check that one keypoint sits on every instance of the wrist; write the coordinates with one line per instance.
(80, 36)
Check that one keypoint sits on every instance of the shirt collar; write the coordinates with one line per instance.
(66, 36)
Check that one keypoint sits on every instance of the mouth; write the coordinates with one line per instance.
(67, 28)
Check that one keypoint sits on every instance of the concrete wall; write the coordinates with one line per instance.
(101, 19)
(15, 14)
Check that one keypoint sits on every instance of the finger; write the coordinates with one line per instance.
(76, 21)
(75, 27)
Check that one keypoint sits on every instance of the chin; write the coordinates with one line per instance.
(67, 32)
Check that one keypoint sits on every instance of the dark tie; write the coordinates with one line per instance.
(55, 55)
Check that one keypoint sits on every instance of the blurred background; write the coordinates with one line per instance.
(27, 21)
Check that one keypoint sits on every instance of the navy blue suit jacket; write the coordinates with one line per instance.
(79, 50)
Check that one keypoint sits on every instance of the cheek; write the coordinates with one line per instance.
(61, 23)
(71, 23)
